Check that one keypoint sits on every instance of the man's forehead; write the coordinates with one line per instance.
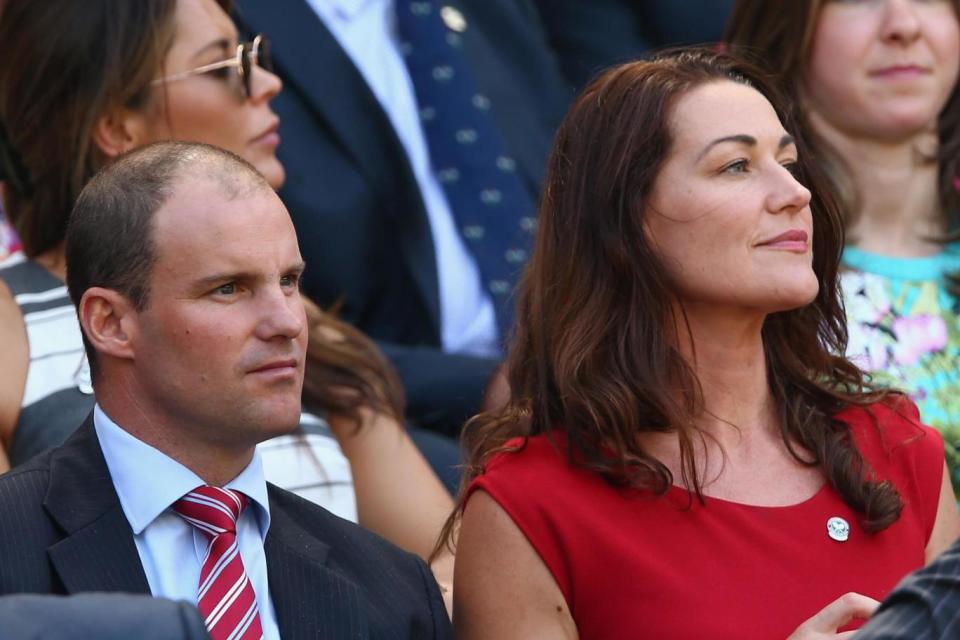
(200, 221)
(202, 201)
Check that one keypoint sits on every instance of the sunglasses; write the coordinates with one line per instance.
(252, 53)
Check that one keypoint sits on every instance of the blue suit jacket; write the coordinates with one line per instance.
(360, 219)
(64, 532)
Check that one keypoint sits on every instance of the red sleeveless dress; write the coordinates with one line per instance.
(633, 565)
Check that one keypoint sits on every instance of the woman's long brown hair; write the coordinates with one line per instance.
(65, 65)
(591, 354)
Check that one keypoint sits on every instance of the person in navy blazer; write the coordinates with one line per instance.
(183, 265)
(358, 210)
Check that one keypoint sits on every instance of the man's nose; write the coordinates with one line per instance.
(282, 315)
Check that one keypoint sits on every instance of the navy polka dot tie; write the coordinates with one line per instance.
(492, 209)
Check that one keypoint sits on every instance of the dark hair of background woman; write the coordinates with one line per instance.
(781, 35)
(346, 372)
(592, 353)
(53, 89)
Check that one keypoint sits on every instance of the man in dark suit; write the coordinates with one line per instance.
(924, 606)
(370, 197)
(184, 267)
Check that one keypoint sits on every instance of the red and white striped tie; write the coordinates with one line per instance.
(225, 596)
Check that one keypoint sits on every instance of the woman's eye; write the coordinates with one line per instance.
(224, 73)
(739, 166)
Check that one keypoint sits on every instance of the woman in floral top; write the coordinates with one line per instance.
(877, 85)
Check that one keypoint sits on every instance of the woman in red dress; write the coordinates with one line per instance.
(683, 455)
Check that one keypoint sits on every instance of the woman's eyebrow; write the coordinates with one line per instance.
(748, 140)
(220, 44)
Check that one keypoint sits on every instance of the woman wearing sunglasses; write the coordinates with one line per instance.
(85, 82)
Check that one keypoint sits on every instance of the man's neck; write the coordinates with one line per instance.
(215, 463)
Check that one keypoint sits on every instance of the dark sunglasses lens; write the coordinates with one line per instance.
(264, 58)
(245, 70)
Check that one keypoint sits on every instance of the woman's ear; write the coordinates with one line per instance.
(119, 131)
(108, 319)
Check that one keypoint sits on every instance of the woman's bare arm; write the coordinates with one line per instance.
(504, 590)
(946, 528)
(13, 373)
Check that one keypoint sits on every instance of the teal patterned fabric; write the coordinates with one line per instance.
(905, 330)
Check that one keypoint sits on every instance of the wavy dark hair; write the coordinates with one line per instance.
(591, 354)
(346, 371)
(780, 35)
(66, 64)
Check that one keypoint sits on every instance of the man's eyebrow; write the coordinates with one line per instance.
(240, 276)
(224, 276)
(744, 139)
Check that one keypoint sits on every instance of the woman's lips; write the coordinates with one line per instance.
(795, 240)
(900, 72)
(269, 137)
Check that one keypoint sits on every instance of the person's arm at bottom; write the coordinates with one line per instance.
(946, 527)
(503, 588)
(13, 373)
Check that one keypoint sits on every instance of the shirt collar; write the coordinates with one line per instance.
(346, 9)
(148, 481)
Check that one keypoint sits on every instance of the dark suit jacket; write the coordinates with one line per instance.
(924, 606)
(104, 616)
(591, 35)
(63, 531)
(360, 219)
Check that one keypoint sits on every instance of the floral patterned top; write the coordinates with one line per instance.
(905, 330)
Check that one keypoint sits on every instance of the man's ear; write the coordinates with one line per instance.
(119, 131)
(109, 322)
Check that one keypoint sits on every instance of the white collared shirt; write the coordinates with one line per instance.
(148, 482)
(366, 30)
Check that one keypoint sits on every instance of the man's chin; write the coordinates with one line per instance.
(279, 418)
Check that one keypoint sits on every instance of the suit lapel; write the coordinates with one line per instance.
(308, 57)
(312, 63)
(98, 552)
(311, 601)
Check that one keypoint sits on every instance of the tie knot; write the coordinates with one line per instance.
(212, 510)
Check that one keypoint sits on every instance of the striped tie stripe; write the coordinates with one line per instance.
(225, 596)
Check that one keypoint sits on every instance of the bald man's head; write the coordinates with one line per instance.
(109, 240)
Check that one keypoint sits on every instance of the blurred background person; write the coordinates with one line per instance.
(589, 36)
(684, 453)
(155, 70)
(415, 136)
(875, 84)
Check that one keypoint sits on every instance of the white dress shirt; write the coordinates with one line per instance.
(148, 482)
(367, 32)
